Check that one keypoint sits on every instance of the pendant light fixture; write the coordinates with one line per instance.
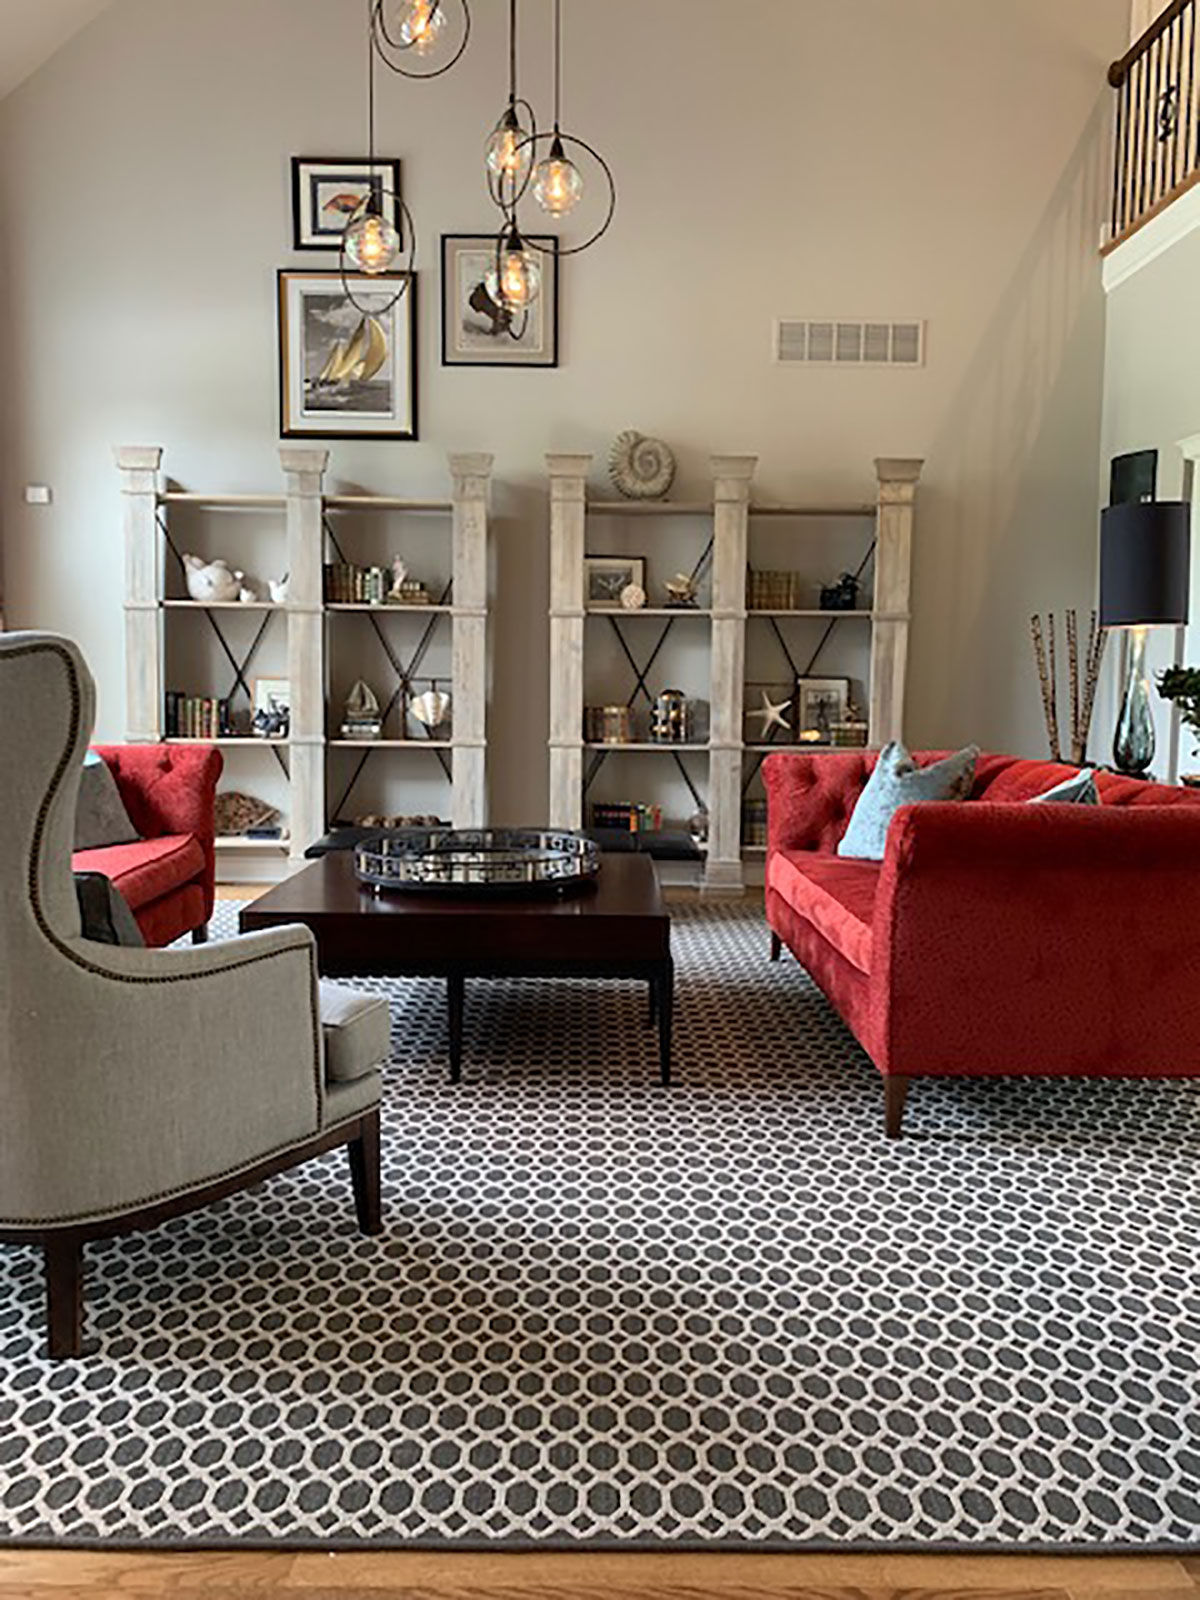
(515, 281)
(510, 148)
(420, 38)
(557, 181)
(373, 243)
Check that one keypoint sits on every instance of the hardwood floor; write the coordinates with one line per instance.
(87, 1575)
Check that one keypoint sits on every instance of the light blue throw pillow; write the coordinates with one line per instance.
(898, 781)
(1079, 790)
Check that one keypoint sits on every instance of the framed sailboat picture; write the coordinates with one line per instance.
(478, 332)
(347, 368)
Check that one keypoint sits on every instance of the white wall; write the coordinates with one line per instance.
(1151, 402)
(936, 158)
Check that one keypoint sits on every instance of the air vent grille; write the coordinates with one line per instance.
(811, 341)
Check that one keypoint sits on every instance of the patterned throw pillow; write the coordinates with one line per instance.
(898, 781)
(1079, 790)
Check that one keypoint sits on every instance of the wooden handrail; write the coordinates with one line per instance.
(1120, 70)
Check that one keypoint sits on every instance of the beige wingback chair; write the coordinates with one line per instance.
(139, 1084)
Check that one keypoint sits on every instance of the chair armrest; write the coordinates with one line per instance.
(175, 1067)
(1026, 938)
(170, 789)
(810, 797)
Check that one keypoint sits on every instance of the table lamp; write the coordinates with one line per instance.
(1144, 581)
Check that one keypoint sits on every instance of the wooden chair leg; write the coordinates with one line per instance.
(895, 1095)
(200, 934)
(64, 1297)
(776, 946)
(364, 1174)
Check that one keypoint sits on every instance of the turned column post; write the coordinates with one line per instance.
(893, 586)
(732, 480)
(304, 469)
(139, 467)
(568, 522)
(471, 478)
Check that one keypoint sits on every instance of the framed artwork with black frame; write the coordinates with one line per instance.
(476, 331)
(347, 368)
(328, 190)
(820, 702)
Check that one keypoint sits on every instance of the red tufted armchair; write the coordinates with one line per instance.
(167, 876)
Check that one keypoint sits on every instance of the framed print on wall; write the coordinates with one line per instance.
(476, 332)
(327, 191)
(346, 370)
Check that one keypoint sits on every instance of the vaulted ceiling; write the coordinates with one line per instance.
(32, 30)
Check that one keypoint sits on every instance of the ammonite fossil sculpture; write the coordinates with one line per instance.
(641, 468)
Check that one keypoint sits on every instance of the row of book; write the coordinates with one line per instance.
(191, 716)
(778, 591)
(754, 822)
(346, 583)
(626, 815)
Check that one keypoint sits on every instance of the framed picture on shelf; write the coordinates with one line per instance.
(328, 190)
(347, 368)
(476, 331)
(605, 578)
(820, 703)
(769, 713)
(271, 695)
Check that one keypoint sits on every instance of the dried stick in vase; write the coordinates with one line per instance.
(1097, 639)
(1055, 746)
(1073, 672)
(1039, 654)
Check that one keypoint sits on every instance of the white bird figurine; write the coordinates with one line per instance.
(279, 590)
(772, 715)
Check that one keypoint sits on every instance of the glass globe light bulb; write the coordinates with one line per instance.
(421, 22)
(557, 182)
(509, 149)
(371, 244)
(517, 282)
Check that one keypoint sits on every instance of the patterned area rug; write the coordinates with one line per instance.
(604, 1312)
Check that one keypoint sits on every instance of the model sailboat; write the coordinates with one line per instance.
(359, 359)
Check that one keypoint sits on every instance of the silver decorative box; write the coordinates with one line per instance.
(475, 861)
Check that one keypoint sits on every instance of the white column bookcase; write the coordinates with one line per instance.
(733, 513)
(305, 508)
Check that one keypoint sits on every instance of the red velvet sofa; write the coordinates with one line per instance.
(167, 877)
(995, 937)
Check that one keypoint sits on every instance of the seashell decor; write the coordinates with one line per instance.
(641, 468)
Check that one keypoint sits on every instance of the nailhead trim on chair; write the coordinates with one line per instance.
(131, 978)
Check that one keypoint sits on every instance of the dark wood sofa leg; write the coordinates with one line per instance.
(776, 946)
(64, 1297)
(895, 1095)
(364, 1174)
(200, 934)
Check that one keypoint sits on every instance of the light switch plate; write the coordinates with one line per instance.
(38, 494)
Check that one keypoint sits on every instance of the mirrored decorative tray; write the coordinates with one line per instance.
(477, 861)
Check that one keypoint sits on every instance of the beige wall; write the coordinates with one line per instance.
(936, 158)
(1142, 14)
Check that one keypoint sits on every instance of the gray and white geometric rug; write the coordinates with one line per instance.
(601, 1312)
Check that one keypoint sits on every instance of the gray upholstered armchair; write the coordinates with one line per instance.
(139, 1084)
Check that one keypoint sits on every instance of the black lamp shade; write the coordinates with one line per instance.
(1144, 560)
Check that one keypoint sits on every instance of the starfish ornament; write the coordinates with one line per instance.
(773, 715)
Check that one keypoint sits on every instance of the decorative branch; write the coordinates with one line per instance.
(1073, 682)
(1083, 676)
(1039, 652)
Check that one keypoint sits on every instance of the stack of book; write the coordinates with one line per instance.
(627, 815)
(190, 716)
(774, 591)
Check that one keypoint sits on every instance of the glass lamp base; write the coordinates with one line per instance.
(1133, 743)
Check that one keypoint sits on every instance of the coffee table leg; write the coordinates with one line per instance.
(456, 996)
(666, 1003)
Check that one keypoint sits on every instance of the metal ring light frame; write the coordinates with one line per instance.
(570, 138)
(510, 223)
(498, 186)
(382, 41)
(408, 270)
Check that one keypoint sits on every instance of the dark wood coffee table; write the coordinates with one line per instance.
(617, 928)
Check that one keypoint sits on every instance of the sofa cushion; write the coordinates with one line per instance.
(357, 1028)
(100, 815)
(837, 896)
(147, 870)
(899, 781)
